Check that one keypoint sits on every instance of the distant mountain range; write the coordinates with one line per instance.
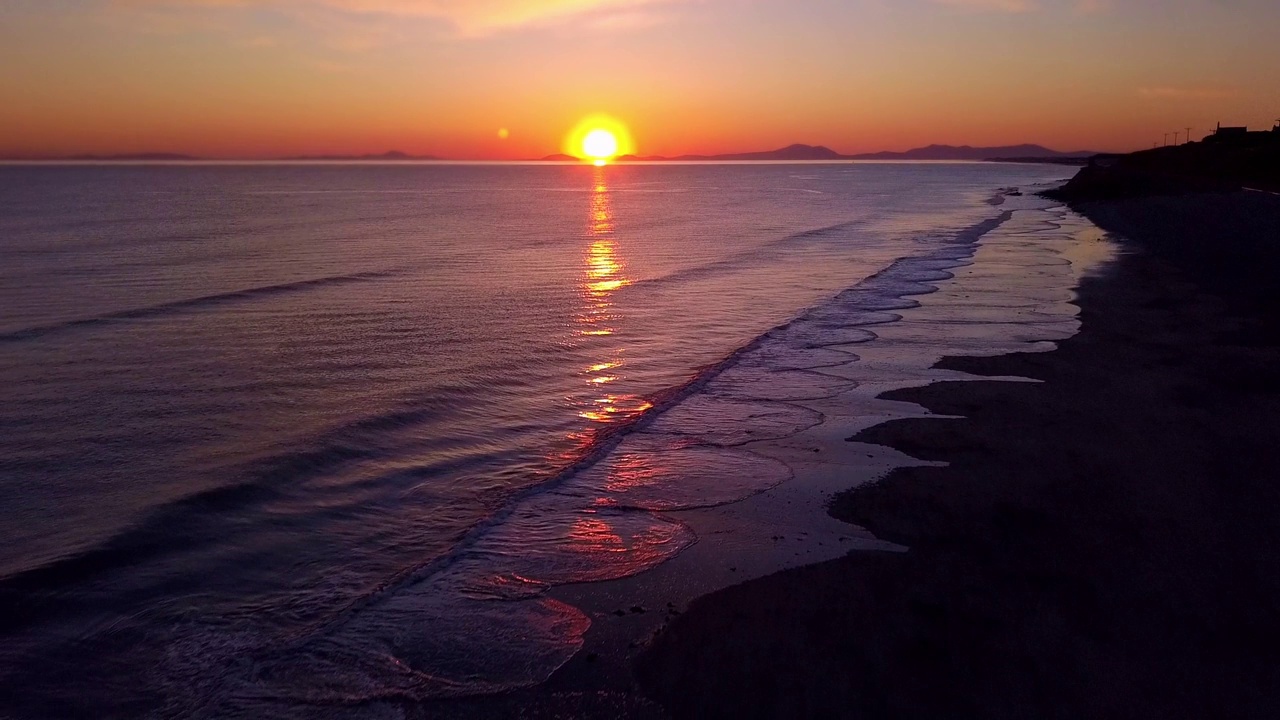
(966, 152)
(818, 152)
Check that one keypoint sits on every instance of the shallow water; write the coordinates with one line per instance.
(281, 433)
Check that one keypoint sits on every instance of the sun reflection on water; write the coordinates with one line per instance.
(598, 320)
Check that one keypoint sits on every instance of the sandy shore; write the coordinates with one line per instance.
(1102, 544)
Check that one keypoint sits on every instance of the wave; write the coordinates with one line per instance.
(196, 303)
(735, 261)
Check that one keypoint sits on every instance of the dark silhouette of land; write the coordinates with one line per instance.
(1227, 162)
(393, 155)
(965, 152)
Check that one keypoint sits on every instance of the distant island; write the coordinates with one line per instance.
(393, 155)
(801, 153)
(1021, 153)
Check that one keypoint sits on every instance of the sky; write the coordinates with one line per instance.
(508, 79)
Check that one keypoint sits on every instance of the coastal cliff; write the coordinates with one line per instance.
(1249, 161)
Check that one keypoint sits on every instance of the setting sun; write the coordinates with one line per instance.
(600, 146)
(599, 139)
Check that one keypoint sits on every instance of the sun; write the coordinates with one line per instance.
(598, 139)
(600, 146)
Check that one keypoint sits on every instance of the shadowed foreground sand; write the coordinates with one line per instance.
(1103, 544)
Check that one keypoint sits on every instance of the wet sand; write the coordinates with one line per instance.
(1103, 543)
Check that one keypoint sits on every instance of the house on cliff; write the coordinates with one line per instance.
(1243, 136)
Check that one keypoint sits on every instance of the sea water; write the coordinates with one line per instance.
(312, 433)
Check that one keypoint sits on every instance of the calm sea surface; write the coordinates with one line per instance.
(244, 405)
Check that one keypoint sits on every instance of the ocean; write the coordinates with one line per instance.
(306, 433)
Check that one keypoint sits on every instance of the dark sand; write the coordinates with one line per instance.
(1105, 544)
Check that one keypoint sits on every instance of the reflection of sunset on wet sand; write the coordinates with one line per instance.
(594, 535)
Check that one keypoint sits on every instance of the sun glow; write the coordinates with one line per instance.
(598, 139)
(600, 146)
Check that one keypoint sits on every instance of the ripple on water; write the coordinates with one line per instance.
(480, 625)
(816, 333)
(583, 534)
(653, 471)
(726, 422)
(780, 356)
(755, 383)
(427, 641)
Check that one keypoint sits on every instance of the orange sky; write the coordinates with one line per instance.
(264, 78)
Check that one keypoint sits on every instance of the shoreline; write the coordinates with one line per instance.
(1099, 544)
(1014, 288)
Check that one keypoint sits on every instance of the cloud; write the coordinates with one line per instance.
(468, 17)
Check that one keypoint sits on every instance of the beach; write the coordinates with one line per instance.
(959, 450)
(1100, 543)
(1007, 286)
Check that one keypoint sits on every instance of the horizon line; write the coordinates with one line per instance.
(396, 156)
(12, 162)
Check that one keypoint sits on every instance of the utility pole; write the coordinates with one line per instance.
(1188, 136)
(1176, 133)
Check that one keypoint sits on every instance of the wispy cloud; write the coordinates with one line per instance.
(467, 17)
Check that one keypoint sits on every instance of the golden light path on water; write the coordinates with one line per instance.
(604, 275)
